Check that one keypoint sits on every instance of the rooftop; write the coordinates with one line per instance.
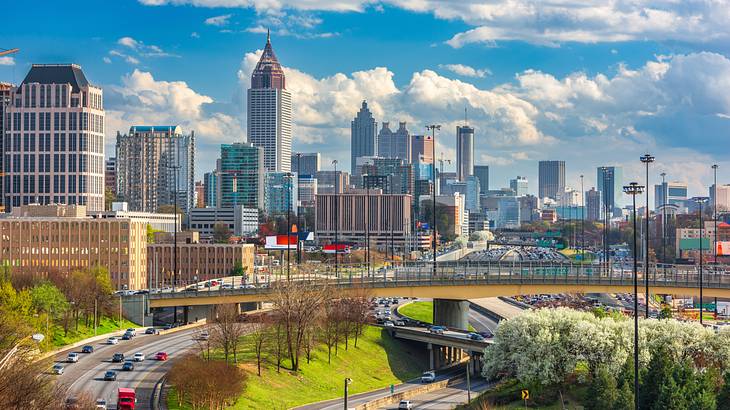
(57, 74)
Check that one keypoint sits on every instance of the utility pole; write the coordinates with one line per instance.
(714, 209)
(701, 200)
(433, 128)
(337, 219)
(634, 189)
(646, 159)
(299, 210)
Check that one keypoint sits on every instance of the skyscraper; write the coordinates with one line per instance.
(394, 144)
(281, 193)
(422, 149)
(673, 193)
(5, 89)
(593, 205)
(363, 136)
(54, 140)
(210, 188)
(551, 179)
(464, 152)
(270, 111)
(110, 175)
(241, 176)
(519, 185)
(482, 172)
(609, 181)
(156, 167)
(309, 163)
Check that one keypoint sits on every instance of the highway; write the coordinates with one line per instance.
(87, 374)
(448, 398)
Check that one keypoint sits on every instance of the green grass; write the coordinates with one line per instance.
(378, 361)
(421, 311)
(106, 325)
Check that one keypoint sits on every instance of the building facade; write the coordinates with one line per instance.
(330, 182)
(551, 179)
(5, 89)
(672, 193)
(270, 112)
(110, 175)
(422, 149)
(241, 176)
(593, 205)
(281, 193)
(197, 262)
(609, 181)
(305, 163)
(156, 167)
(464, 152)
(240, 220)
(44, 238)
(394, 144)
(53, 148)
(519, 185)
(210, 188)
(482, 172)
(363, 136)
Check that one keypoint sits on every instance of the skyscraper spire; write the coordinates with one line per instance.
(268, 36)
(268, 72)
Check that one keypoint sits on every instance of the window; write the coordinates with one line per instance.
(43, 96)
(72, 142)
(32, 120)
(63, 122)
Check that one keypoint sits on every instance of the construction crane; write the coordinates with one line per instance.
(4, 52)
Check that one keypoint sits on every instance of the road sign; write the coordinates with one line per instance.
(525, 394)
(392, 389)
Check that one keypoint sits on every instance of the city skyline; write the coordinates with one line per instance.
(545, 111)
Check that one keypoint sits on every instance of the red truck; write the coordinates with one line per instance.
(126, 399)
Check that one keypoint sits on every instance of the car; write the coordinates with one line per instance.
(57, 368)
(405, 405)
(388, 323)
(475, 336)
(226, 286)
(87, 349)
(138, 357)
(110, 375)
(486, 334)
(101, 404)
(399, 323)
(128, 366)
(167, 327)
(127, 336)
(161, 356)
(204, 335)
(151, 331)
(112, 341)
(118, 358)
(72, 357)
(131, 331)
(428, 377)
(439, 330)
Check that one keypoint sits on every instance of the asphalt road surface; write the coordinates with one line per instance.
(447, 398)
(87, 374)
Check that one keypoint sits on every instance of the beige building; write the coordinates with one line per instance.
(387, 215)
(196, 261)
(45, 238)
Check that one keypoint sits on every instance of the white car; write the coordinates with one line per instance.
(101, 404)
(405, 405)
(138, 357)
(72, 357)
(112, 341)
(57, 369)
(428, 377)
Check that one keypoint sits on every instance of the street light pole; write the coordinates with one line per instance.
(646, 159)
(701, 200)
(392, 221)
(299, 211)
(582, 221)
(433, 128)
(337, 219)
(347, 384)
(634, 189)
(366, 215)
(714, 209)
(664, 220)
(288, 204)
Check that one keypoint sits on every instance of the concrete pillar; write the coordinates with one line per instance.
(451, 313)
(449, 359)
(430, 356)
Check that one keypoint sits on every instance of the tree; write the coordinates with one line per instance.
(665, 313)
(109, 197)
(238, 269)
(227, 329)
(723, 397)
(603, 392)
(221, 233)
(206, 384)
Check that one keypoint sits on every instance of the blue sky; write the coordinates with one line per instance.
(594, 84)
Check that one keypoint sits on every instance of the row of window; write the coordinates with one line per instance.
(76, 142)
(81, 121)
(56, 95)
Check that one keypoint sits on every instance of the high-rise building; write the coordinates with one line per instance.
(519, 185)
(281, 193)
(464, 152)
(593, 205)
(723, 197)
(609, 181)
(394, 144)
(482, 172)
(363, 136)
(422, 149)
(307, 190)
(54, 139)
(508, 213)
(199, 194)
(672, 193)
(528, 208)
(110, 175)
(210, 188)
(393, 175)
(5, 89)
(156, 167)
(270, 112)
(308, 162)
(241, 178)
(551, 179)
(329, 182)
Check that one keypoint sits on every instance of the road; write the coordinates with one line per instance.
(447, 398)
(87, 374)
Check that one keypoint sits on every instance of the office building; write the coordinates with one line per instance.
(363, 136)
(671, 193)
(5, 89)
(568, 198)
(199, 194)
(305, 163)
(198, 262)
(156, 167)
(270, 112)
(281, 193)
(594, 211)
(330, 182)
(464, 152)
(482, 172)
(38, 239)
(307, 190)
(210, 188)
(422, 149)
(519, 185)
(240, 220)
(54, 139)
(508, 213)
(610, 183)
(723, 197)
(551, 179)
(159, 222)
(110, 175)
(241, 176)
(393, 175)
(394, 144)
(453, 206)
(388, 218)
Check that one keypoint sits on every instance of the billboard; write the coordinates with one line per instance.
(280, 242)
(723, 248)
(340, 248)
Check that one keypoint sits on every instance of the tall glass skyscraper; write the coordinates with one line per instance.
(609, 181)
(270, 111)
(363, 136)
(241, 176)
(464, 152)
(551, 179)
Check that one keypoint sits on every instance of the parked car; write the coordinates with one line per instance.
(72, 357)
(139, 357)
(428, 377)
(110, 375)
(204, 335)
(118, 358)
(128, 366)
(57, 368)
(112, 341)
(399, 323)
(87, 349)
(161, 356)
(405, 405)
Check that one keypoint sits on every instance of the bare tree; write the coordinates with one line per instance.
(227, 330)
(278, 340)
(206, 384)
(329, 326)
(259, 332)
(202, 341)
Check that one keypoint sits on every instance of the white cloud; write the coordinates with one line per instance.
(218, 21)
(107, 60)
(7, 60)
(142, 49)
(126, 57)
(194, 34)
(465, 70)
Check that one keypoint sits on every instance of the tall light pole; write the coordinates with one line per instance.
(714, 208)
(337, 219)
(582, 221)
(299, 211)
(701, 200)
(347, 384)
(606, 221)
(392, 221)
(288, 204)
(366, 215)
(646, 159)
(433, 128)
(664, 219)
(634, 189)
